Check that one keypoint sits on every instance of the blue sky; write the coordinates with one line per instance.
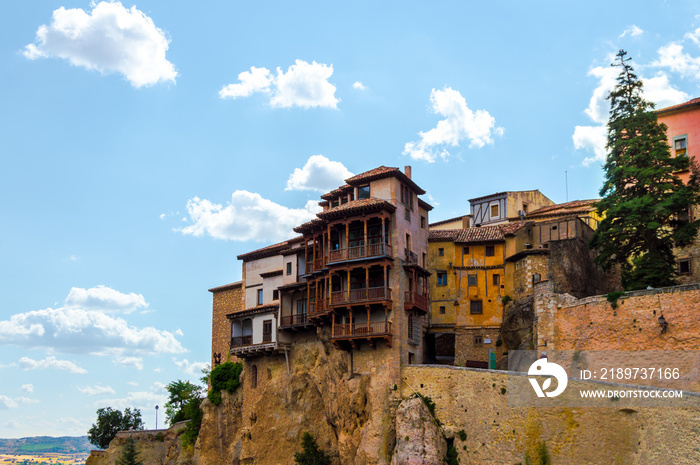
(145, 145)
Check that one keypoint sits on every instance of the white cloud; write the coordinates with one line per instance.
(51, 362)
(660, 91)
(432, 201)
(179, 332)
(255, 80)
(26, 400)
(79, 331)
(103, 298)
(110, 38)
(6, 402)
(671, 56)
(248, 216)
(460, 123)
(96, 390)
(162, 216)
(358, 85)
(632, 31)
(592, 138)
(194, 368)
(318, 174)
(144, 400)
(598, 106)
(136, 362)
(693, 36)
(303, 85)
(73, 258)
(28, 387)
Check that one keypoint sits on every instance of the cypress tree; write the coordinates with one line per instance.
(644, 202)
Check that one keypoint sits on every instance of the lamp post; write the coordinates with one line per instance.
(663, 323)
(156, 417)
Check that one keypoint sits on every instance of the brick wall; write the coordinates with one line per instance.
(567, 323)
(227, 299)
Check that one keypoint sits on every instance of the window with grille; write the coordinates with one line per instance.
(472, 280)
(490, 251)
(475, 307)
(441, 278)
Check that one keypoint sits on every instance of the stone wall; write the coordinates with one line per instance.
(226, 299)
(160, 446)
(467, 350)
(525, 268)
(476, 402)
(567, 323)
(690, 252)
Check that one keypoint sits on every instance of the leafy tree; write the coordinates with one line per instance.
(109, 422)
(224, 377)
(129, 455)
(645, 204)
(311, 454)
(181, 393)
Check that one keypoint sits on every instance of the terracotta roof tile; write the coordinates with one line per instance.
(269, 250)
(357, 206)
(226, 287)
(481, 234)
(568, 208)
(445, 235)
(384, 172)
(689, 103)
(344, 189)
(309, 225)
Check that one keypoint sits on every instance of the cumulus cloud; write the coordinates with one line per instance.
(144, 400)
(632, 31)
(460, 123)
(96, 390)
(673, 57)
(303, 85)
(51, 362)
(248, 216)
(6, 402)
(110, 38)
(358, 85)
(591, 138)
(78, 331)
(136, 362)
(26, 400)
(318, 174)
(194, 368)
(106, 299)
(28, 387)
(660, 91)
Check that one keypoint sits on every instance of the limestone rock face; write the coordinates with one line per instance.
(220, 435)
(419, 440)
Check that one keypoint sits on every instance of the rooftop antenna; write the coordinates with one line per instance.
(566, 180)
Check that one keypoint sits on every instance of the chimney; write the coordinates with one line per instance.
(407, 171)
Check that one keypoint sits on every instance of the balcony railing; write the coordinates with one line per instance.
(360, 295)
(319, 306)
(350, 330)
(239, 341)
(411, 257)
(415, 299)
(362, 251)
(293, 320)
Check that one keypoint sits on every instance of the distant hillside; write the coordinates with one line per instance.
(43, 444)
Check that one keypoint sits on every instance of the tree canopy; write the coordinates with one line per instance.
(310, 454)
(110, 422)
(129, 455)
(180, 394)
(644, 202)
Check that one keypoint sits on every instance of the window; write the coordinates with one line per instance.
(475, 307)
(275, 294)
(524, 208)
(496, 279)
(494, 211)
(407, 215)
(536, 278)
(267, 331)
(343, 200)
(301, 306)
(260, 300)
(490, 251)
(289, 268)
(363, 192)
(441, 252)
(684, 266)
(442, 309)
(425, 260)
(477, 340)
(472, 280)
(680, 145)
(334, 203)
(254, 376)
(422, 222)
(465, 250)
(441, 278)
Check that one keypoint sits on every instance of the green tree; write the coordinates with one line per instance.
(109, 422)
(129, 455)
(644, 202)
(310, 454)
(181, 393)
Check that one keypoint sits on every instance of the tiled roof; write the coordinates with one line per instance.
(482, 234)
(270, 250)
(254, 310)
(384, 172)
(680, 106)
(309, 225)
(510, 228)
(424, 205)
(568, 208)
(271, 274)
(226, 287)
(344, 189)
(446, 235)
(291, 286)
(356, 206)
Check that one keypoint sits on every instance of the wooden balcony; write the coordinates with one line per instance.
(415, 300)
(295, 322)
(356, 332)
(242, 346)
(360, 296)
(317, 308)
(359, 252)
